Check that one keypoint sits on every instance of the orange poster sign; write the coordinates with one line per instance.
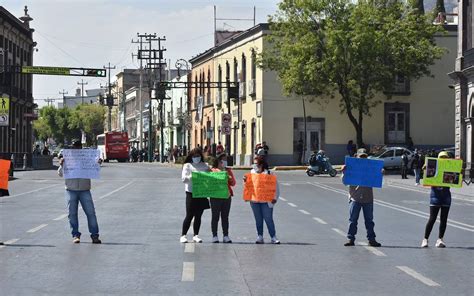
(260, 187)
(4, 168)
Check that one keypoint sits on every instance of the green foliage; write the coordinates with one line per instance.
(439, 7)
(65, 124)
(330, 48)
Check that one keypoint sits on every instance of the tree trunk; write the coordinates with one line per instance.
(357, 125)
(420, 5)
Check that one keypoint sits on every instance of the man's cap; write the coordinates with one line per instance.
(361, 152)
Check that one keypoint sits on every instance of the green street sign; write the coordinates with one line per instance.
(45, 70)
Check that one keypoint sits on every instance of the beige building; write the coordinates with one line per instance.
(422, 110)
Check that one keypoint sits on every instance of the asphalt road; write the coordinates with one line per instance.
(140, 208)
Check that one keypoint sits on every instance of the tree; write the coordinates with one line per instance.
(89, 119)
(440, 7)
(354, 51)
(420, 5)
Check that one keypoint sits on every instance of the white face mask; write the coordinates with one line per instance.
(197, 159)
(224, 163)
(255, 167)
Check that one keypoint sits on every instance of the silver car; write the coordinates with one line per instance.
(392, 156)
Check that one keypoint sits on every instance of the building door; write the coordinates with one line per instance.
(313, 141)
(396, 132)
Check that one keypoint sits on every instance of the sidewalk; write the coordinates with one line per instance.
(465, 192)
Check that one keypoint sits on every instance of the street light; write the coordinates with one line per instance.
(181, 63)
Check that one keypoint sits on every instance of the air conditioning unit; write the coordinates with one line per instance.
(242, 90)
(251, 87)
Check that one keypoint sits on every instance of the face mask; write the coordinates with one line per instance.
(224, 163)
(197, 159)
(255, 167)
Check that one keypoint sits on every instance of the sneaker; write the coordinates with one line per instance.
(227, 240)
(259, 240)
(275, 241)
(1, 243)
(374, 243)
(96, 240)
(197, 239)
(76, 239)
(416, 184)
(424, 243)
(440, 243)
(215, 239)
(183, 239)
(349, 243)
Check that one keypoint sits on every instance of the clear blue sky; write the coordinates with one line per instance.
(91, 33)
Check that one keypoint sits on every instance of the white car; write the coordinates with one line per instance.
(392, 156)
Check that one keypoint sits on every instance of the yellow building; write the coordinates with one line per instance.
(422, 110)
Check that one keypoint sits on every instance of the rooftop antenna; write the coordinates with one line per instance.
(230, 19)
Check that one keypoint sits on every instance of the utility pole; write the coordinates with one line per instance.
(82, 83)
(64, 92)
(140, 107)
(109, 99)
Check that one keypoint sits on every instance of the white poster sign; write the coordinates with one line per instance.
(81, 163)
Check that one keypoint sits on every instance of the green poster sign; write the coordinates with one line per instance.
(45, 70)
(443, 172)
(212, 184)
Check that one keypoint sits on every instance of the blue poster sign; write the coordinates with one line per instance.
(363, 172)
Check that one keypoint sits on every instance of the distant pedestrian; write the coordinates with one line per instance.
(299, 150)
(404, 164)
(350, 147)
(195, 207)
(219, 148)
(221, 207)
(361, 197)
(37, 150)
(417, 165)
(46, 151)
(440, 199)
(263, 211)
(79, 190)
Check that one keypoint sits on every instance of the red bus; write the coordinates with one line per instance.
(113, 145)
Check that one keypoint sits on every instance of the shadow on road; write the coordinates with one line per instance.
(29, 246)
(282, 243)
(116, 244)
(415, 247)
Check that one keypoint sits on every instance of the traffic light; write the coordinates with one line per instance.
(96, 72)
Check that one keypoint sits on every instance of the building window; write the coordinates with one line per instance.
(253, 72)
(236, 70)
(397, 123)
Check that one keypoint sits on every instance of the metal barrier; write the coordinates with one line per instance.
(41, 162)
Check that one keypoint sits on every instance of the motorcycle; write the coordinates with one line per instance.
(320, 168)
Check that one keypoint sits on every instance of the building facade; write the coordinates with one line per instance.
(16, 50)
(463, 77)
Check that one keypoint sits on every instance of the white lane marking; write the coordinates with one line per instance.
(32, 230)
(338, 231)
(188, 272)
(282, 198)
(60, 217)
(116, 190)
(286, 184)
(375, 251)
(398, 208)
(9, 242)
(304, 212)
(292, 205)
(189, 248)
(319, 220)
(28, 192)
(453, 195)
(418, 276)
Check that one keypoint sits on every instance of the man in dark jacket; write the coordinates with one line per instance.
(404, 165)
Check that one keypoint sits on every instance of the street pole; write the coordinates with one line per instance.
(305, 134)
(64, 92)
(140, 107)
(82, 83)
(109, 121)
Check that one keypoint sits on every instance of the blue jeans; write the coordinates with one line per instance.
(261, 211)
(417, 175)
(85, 198)
(354, 210)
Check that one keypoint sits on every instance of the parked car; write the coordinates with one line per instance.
(392, 157)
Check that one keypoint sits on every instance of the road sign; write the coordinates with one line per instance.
(4, 111)
(226, 123)
(45, 70)
(226, 130)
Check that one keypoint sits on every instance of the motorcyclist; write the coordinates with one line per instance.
(321, 158)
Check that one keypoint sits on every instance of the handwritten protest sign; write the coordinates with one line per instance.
(363, 172)
(443, 172)
(210, 184)
(260, 187)
(4, 168)
(81, 163)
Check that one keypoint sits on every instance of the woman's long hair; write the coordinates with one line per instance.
(261, 162)
(215, 162)
(192, 153)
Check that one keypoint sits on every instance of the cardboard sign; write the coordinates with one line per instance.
(4, 169)
(260, 187)
(363, 172)
(81, 163)
(210, 184)
(441, 172)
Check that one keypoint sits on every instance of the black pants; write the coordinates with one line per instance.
(193, 210)
(220, 207)
(404, 172)
(431, 221)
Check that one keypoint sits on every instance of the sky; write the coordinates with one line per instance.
(92, 33)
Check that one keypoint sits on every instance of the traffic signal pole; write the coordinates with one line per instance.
(109, 95)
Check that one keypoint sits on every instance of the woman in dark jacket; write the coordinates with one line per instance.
(440, 199)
